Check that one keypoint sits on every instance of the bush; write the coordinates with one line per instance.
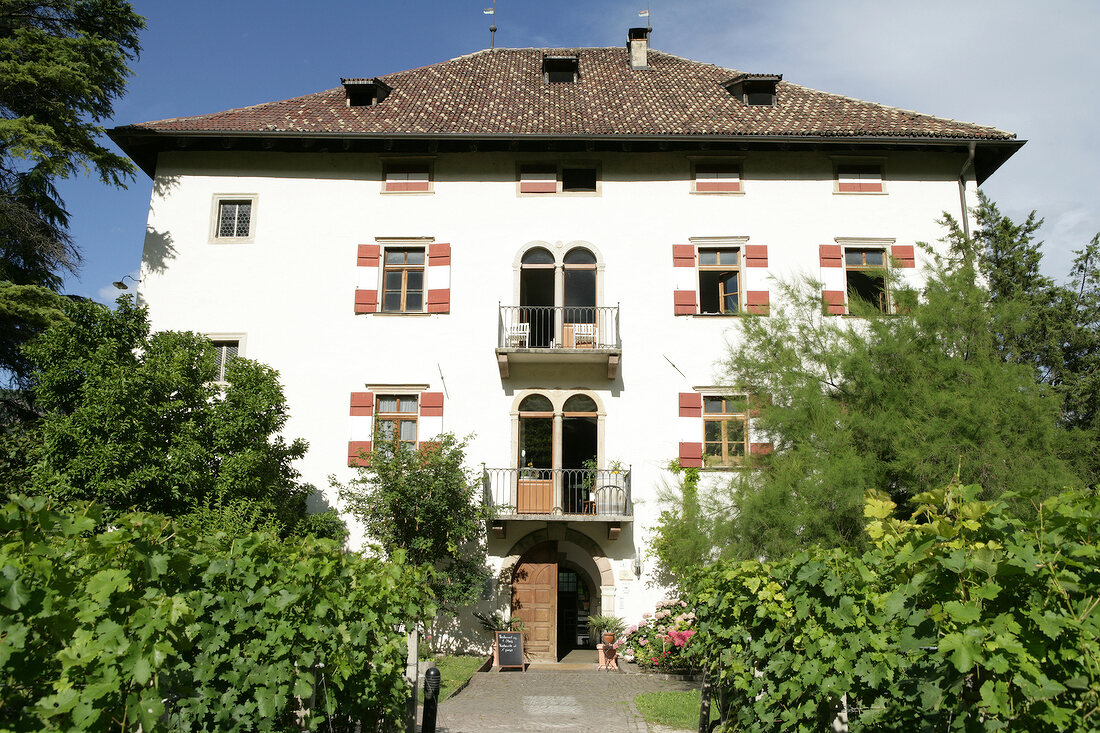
(662, 641)
(235, 633)
(962, 618)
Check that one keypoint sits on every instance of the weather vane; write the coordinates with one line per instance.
(493, 24)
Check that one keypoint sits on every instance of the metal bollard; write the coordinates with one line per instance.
(431, 699)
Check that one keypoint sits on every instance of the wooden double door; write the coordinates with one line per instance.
(548, 612)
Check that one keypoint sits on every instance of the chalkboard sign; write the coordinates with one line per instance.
(510, 649)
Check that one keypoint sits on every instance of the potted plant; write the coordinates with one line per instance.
(605, 627)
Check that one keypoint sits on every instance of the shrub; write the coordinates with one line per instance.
(962, 618)
(662, 641)
(101, 628)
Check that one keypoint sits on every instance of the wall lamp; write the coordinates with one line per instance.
(121, 284)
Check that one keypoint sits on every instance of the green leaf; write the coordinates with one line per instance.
(966, 613)
(15, 596)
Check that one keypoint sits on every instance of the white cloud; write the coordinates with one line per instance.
(1015, 64)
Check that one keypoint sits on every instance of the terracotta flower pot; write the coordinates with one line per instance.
(608, 638)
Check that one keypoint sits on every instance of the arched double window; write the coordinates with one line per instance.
(555, 296)
(559, 446)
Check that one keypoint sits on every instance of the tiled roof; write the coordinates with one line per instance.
(502, 92)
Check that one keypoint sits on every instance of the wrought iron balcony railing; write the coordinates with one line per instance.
(576, 492)
(558, 327)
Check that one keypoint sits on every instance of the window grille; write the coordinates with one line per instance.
(234, 219)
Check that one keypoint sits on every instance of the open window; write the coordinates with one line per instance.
(560, 69)
(720, 280)
(865, 278)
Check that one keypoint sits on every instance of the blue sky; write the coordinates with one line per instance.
(1016, 64)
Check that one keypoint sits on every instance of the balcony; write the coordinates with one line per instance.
(528, 334)
(558, 494)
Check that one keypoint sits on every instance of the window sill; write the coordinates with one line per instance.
(559, 194)
(860, 193)
(400, 314)
(717, 193)
(407, 193)
(232, 240)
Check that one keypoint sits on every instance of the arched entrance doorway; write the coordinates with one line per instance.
(554, 593)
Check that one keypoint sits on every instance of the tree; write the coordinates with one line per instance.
(135, 420)
(1052, 327)
(63, 63)
(899, 402)
(424, 502)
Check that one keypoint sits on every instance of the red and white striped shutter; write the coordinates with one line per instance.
(859, 179)
(430, 420)
(362, 426)
(717, 178)
(833, 284)
(689, 429)
(755, 278)
(685, 280)
(438, 279)
(366, 291)
(905, 255)
(538, 179)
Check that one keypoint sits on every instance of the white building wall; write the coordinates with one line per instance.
(290, 289)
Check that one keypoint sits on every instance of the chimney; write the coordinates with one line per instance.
(637, 40)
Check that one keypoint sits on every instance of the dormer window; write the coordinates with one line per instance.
(754, 89)
(365, 92)
(560, 69)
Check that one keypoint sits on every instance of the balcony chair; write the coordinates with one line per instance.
(584, 335)
(518, 336)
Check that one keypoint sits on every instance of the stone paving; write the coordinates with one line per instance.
(560, 701)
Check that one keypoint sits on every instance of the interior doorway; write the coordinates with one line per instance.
(574, 608)
(579, 451)
(536, 295)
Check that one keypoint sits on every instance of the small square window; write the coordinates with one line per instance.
(551, 178)
(538, 179)
(407, 178)
(717, 178)
(560, 69)
(859, 178)
(403, 280)
(578, 179)
(720, 281)
(234, 219)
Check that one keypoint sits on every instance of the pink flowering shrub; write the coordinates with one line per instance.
(661, 642)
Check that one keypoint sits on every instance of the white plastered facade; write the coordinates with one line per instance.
(290, 288)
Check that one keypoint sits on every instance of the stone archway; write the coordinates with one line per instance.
(531, 570)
